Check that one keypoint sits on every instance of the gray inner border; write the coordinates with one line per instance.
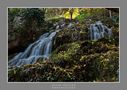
(60, 3)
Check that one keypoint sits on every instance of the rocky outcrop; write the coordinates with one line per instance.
(13, 46)
(69, 35)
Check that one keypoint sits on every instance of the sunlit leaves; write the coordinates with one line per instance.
(72, 13)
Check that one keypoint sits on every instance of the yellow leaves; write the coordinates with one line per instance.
(75, 13)
(67, 15)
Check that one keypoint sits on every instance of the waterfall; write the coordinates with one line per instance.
(43, 46)
(39, 49)
(98, 31)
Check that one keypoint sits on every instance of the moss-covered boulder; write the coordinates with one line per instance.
(71, 35)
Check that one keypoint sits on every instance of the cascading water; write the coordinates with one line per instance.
(43, 46)
(39, 49)
(98, 31)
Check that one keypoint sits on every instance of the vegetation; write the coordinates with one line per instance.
(74, 58)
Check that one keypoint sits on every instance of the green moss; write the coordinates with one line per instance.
(69, 36)
(65, 52)
(77, 61)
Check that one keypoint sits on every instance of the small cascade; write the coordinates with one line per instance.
(39, 49)
(98, 31)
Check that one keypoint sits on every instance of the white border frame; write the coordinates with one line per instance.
(63, 82)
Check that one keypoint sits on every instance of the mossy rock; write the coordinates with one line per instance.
(68, 36)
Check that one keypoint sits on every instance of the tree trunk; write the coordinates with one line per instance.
(71, 15)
